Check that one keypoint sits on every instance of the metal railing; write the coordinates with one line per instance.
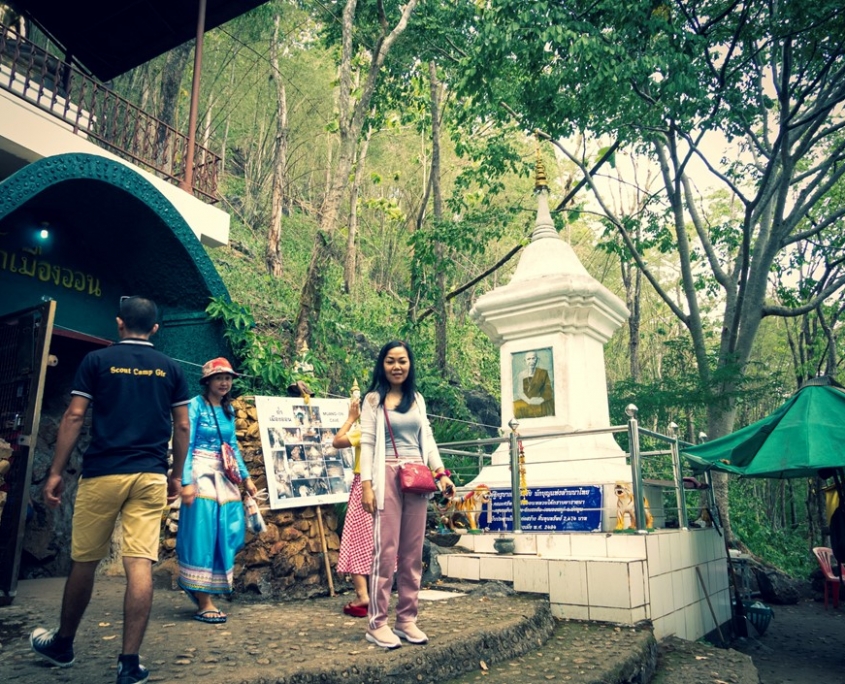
(463, 448)
(93, 111)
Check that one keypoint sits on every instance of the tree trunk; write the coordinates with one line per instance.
(172, 74)
(632, 279)
(273, 256)
(225, 145)
(351, 118)
(440, 339)
(720, 422)
(206, 129)
(254, 172)
(350, 264)
(328, 179)
(144, 133)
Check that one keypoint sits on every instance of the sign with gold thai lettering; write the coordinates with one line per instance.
(30, 264)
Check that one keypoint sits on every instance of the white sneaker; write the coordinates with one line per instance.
(410, 633)
(383, 637)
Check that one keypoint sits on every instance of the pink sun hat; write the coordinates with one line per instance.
(215, 367)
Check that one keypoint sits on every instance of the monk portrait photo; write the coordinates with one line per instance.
(533, 392)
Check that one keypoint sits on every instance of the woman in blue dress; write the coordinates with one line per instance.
(212, 528)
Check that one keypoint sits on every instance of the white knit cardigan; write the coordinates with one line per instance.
(373, 443)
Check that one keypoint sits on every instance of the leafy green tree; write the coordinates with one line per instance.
(273, 256)
(353, 106)
(676, 80)
(813, 337)
(248, 119)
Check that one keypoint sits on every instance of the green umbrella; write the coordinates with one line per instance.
(804, 435)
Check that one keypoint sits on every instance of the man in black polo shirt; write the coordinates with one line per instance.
(139, 398)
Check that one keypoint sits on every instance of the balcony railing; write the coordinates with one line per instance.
(89, 109)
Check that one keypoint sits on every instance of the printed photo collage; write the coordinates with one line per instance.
(302, 465)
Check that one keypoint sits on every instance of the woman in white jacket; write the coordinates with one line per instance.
(394, 428)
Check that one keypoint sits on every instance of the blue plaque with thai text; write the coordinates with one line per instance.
(575, 508)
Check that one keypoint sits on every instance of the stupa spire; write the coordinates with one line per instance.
(544, 227)
(540, 181)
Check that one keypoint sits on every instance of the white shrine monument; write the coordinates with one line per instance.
(551, 322)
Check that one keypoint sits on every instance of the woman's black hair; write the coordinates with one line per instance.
(381, 384)
(225, 400)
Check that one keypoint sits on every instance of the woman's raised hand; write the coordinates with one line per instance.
(354, 409)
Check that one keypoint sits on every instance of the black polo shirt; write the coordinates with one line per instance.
(133, 389)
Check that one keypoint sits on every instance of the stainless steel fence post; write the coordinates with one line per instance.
(636, 471)
(711, 493)
(514, 444)
(683, 521)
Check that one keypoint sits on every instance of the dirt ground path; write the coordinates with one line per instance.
(804, 644)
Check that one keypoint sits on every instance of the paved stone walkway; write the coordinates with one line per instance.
(486, 633)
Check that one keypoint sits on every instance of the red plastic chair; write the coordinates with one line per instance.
(826, 560)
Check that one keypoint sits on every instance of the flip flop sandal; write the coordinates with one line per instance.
(214, 617)
(355, 611)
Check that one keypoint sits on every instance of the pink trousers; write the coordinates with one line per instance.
(398, 534)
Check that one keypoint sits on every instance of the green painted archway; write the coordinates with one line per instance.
(85, 230)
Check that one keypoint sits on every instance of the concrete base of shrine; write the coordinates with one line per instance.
(622, 578)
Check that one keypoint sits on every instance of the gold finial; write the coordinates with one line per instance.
(355, 392)
(540, 181)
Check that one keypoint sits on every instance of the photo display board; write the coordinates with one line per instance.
(303, 468)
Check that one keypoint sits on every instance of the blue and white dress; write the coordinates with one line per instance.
(212, 529)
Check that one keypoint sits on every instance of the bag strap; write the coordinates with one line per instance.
(196, 426)
(214, 414)
(393, 441)
(390, 430)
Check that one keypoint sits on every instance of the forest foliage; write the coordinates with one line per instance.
(384, 172)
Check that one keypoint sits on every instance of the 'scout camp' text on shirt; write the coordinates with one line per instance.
(158, 372)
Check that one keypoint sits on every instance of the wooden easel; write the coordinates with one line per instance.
(307, 399)
(325, 550)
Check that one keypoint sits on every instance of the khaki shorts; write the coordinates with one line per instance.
(139, 497)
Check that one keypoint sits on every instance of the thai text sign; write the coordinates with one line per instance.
(575, 508)
(27, 265)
